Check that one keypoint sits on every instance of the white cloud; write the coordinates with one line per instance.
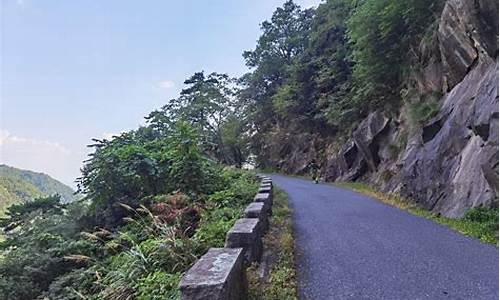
(44, 156)
(20, 2)
(167, 84)
(7, 139)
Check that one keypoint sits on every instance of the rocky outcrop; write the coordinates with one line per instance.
(450, 163)
(292, 153)
(467, 30)
(360, 154)
(447, 166)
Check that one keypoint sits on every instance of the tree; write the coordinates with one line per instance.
(209, 105)
(382, 33)
(140, 164)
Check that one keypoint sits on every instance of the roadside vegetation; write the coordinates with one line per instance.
(480, 222)
(276, 277)
(156, 199)
(118, 247)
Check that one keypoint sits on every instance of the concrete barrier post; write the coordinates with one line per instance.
(220, 273)
(246, 234)
(266, 199)
(217, 275)
(259, 211)
(266, 188)
(267, 181)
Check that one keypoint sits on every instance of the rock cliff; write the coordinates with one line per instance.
(447, 159)
(450, 162)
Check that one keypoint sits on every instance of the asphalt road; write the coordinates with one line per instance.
(350, 246)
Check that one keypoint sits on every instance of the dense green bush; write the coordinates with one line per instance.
(158, 286)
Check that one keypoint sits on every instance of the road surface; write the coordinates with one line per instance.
(350, 246)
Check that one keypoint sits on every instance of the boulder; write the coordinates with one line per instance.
(450, 163)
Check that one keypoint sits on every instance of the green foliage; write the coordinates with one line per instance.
(382, 33)
(284, 100)
(208, 104)
(486, 219)
(224, 207)
(39, 236)
(212, 231)
(283, 38)
(58, 251)
(144, 163)
(422, 112)
(158, 286)
(327, 68)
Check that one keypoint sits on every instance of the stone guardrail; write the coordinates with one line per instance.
(220, 273)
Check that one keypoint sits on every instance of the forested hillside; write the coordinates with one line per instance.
(19, 186)
(399, 94)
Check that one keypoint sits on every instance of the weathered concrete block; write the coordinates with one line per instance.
(258, 210)
(266, 181)
(246, 234)
(265, 189)
(266, 186)
(217, 275)
(267, 199)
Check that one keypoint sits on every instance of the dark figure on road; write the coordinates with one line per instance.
(313, 169)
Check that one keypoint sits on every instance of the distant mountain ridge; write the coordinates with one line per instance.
(17, 186)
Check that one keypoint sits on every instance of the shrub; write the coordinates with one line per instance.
(158, 286)
(423, 112)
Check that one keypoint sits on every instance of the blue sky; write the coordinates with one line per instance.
(74, 70)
